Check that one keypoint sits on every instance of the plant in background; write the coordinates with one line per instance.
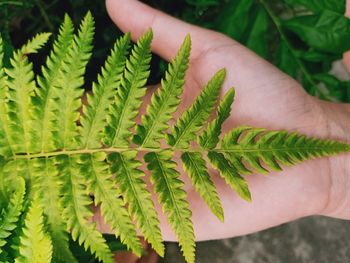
(53, 157)
(301, 37)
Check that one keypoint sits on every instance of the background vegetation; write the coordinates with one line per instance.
(301, 37)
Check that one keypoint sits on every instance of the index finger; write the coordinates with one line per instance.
(169, 32)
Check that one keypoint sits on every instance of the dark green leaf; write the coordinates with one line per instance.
(286, 61)
(234, 18)
(257, 40)
(328, 31)
(320, 5)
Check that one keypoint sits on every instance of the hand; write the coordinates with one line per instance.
(265, 97)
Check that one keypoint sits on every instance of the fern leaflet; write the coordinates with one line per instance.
(194, 165)
(21, 88)
(36, 245)
(10, 215)
(192, 119)
(129, 179)
(210, 137)
(47, 92)
(70, 82)
(5, 143)
(131, 90)
(45, 180)
(75, 203)
(164, 104)
(103, 93)
(167, 184)
(112, 207)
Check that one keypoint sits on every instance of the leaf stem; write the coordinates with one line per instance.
(237, 149)
(40, 5)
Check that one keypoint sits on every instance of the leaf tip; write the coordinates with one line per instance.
(188, 39)
(231, 92)
(247, 196)
(222, 72)
(149, 33)
(220, 215)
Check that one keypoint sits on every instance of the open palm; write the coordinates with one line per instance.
(267, 98)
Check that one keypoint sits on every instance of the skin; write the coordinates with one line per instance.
(265, 97)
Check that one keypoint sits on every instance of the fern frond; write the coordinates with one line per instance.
(129, 178)
(129, 97)
(21, 86)
(76, 211)
(45, 180)
(10, 215)
(35, 44)
(250, 148)
(112, 206)
(230, 174)
(5, 144)
(172, 197)
(191, 121)
(70, 81)
(36, 246)
(165, 102)
(103, 92)
(15, 170)
(210, 137)
(4, 188)
(11, 249)
(195, 167)
(45, 100)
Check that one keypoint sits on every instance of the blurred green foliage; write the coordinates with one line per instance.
(302, 37)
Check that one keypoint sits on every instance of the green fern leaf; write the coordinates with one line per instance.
(36, 245)
(5, 144)
(210, 137)
(172, 197)
(4, 188)
(35, 44)
(70, 80)
(45, 103)
(15, 170)
(230, 174)
(76, 203)
(45, 180)
(10, 215)
(164, 104)
(129, 97)
(259, 148)
(104, 91)
(193, 118)
(112, 206)
(195, 167)
(21, 88)
(129, 178)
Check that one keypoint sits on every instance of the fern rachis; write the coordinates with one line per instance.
(60, 157)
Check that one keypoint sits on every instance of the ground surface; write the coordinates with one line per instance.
(309, 240)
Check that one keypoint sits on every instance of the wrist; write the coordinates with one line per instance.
(337, 125)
